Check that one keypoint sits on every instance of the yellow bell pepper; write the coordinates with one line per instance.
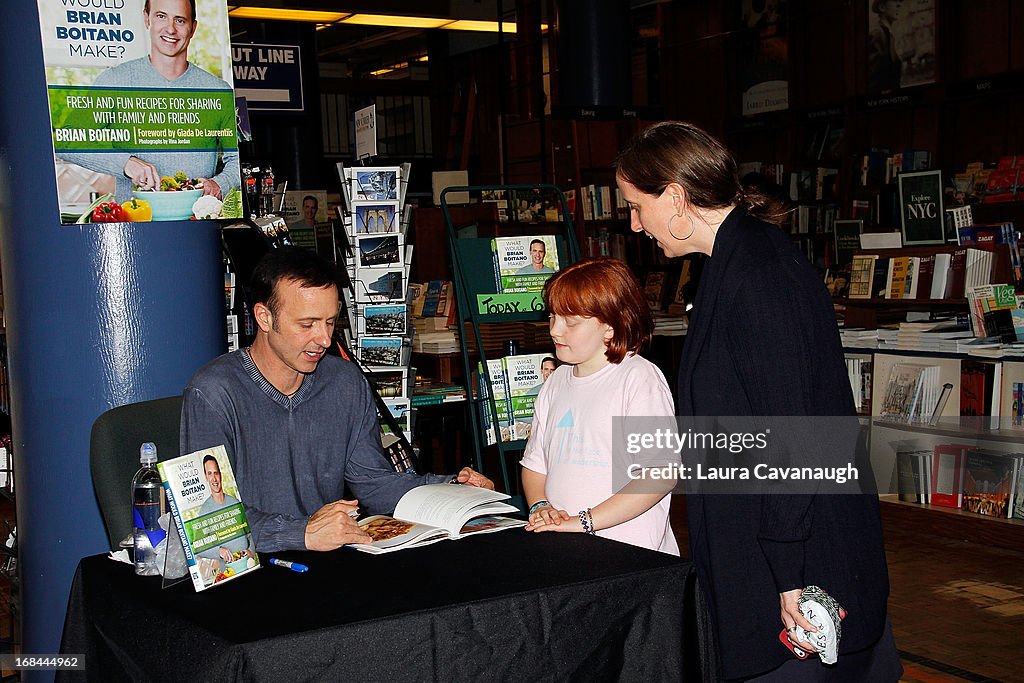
(137, 211)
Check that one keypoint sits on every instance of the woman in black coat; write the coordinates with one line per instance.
(762, 341)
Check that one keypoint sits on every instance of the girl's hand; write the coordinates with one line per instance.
(547, 518)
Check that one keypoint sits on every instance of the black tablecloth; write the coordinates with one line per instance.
(495, 607)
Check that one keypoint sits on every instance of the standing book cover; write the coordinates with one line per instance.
(524, 264)
(988, 482)
(207, 511)
(525, 377)
(847, 236)
(921, 214)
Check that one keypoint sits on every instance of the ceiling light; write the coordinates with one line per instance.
(396, 21)
(472, 25)
(287, 14)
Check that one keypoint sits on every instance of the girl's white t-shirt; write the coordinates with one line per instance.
(571, 442)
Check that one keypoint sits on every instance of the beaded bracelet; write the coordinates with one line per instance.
(539, 504)
(587, 521)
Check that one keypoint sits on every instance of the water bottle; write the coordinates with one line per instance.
(147, 506)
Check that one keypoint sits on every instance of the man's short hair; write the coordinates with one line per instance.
(315, 200)
(540, 242)
(191, 4)
(212, 459)
(289, 263)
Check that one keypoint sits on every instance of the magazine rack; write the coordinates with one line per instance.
(473, 267)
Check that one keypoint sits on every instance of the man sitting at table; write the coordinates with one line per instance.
(297, 426)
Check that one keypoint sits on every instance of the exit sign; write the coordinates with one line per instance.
(269, 77)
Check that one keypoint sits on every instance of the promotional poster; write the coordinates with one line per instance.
(142, 109)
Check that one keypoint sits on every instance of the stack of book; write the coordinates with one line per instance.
(858, 338)
(433, 317)
(669, 325)
(515, 382)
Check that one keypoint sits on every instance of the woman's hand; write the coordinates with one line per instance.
(791, 615)
(547, 518)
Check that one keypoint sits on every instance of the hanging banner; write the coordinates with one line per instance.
(142, 109)
(765, 57)
(269, 77)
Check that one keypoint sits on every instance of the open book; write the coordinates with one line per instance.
(436, 512)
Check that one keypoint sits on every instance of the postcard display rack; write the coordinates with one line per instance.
(479, 303)
(377, 262)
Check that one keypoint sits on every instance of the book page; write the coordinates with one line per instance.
(390, 534)
(449, 506)
(488, 524)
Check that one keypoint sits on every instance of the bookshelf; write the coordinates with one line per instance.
(996, 434)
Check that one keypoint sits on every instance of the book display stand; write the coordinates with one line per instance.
(479, 303)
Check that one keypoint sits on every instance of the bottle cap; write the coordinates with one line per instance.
(147, 453)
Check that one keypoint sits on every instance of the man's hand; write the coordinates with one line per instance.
(225, 554)
(331, 527)
(142, 174)
(470, 477)
(210, 187)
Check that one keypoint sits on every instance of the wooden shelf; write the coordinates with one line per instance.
(954, 524)
(895, 303)
(970, 429)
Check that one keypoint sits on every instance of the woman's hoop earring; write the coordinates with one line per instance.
(688, 235)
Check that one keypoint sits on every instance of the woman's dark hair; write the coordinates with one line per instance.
(604, 288)
(679, 152)
(289, 263)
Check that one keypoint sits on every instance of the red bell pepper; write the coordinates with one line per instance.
(108, 212)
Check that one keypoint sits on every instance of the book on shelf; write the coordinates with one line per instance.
(910, 286)
(896, 278)
(861, 276)
(990, 309)
(913, 473)
(837, 282)
(940, 288)
(654, 289)
(1017, 408)
(858, 368)
(947, 474)
(524, 378)
(207, 512)
(1017, 504)
(979, 385)
(524, 264)
(923, 279)
(911, 393)
(989, 480)
(880, 281)
(431, 299)
(437, 512)
(496, 392)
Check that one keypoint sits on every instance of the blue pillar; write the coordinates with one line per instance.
(97, 316)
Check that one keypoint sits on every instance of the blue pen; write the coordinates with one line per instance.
(294, 566)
